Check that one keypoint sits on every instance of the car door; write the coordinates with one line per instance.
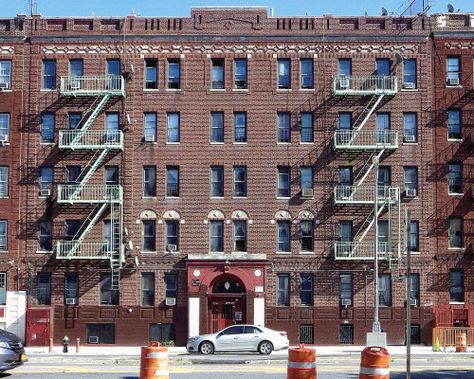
(229, 339)
(250, 338)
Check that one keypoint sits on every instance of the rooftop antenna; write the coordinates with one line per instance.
(450, 8)
(33, 7)
(384, 12)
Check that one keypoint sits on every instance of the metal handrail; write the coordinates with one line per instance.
(77, 139)
(83, 250)
(351, 194)
(372, 84)
(93, 85)
(89, 193)
(348, 250)
(363, 139)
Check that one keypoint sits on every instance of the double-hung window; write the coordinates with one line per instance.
(4, 128)
(283, 127)
(45, 236)
(385, 290)
(383, 236)
(172, 181)
(216, 231)
(149, 181)
(410, 134)
(172, 127)
(345, 290)
(454, 124)
(383, 128)
(171, 235)
(49, 74)
(283, 182)
(45, 180)
(306, 134)
(3, 235)
(217, 73)
(43, 288)
(306, 181)
(171, 285)
(240, 181)
(3, 181)
(150, 126)
(108, 296)
(414, 237)
(455, 232)
(456, 286)
(74, 121)
(112, 127)
(148, 289)
(283, 235)
(240, 127)
(174, 74)
(284, 73)
(453, 71)
(71, 227)
(6, 74)
(217, 181)
(3, 288)
(71, 288)
(306, 235)
(411, 181)
(409, 74)
(240, 235)
(47, 127)
(151, 73)
(415, 289)
(148, 237)
(240, 74)
(306, 74)
(217, 127)
(283, 290)
(455, 178)
(306, 289)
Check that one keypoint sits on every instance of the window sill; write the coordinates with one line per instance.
(46, 143)
(149, 142)
(306, 89)
(173, 143)
(456, 303)
(455, 194)
(171, 253)
(283, 197)
(410, 143)
(43, 252)
(409, 90)
(171, 197)
(239, 197)
(3, 144)
(239, 143)
(283, 253)
(307, 143)
(454, 139)
(283, 143)
(173, 90)
(216, 197)
(306, 253)
(7, 90)
(245, 90)
(151, 90)
(216, 89)
(413, 253)
(283, 90)
(455, 249)
(458, 86)
(148, 252)
(3, 251)
(216, 143)
(148, 197)
(4, 197)
(48, 90)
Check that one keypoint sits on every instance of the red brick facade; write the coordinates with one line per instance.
(229, 34)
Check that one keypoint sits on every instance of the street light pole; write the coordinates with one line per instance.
(408, 294)
(376, 324)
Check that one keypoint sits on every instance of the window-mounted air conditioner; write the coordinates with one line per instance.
(409, 85)
(3, 139)
(410, 192)
(46, 192)
(3, 86)
(343, 83)
(171, 247)
(410, 138)
(71, 301)
(93, 339)
(453, 81)
(170, 301)
(346, 302)
(413, 302)
(307, 192)
(149, 138)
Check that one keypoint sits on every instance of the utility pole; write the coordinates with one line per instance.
(408, 294)
(376, 324)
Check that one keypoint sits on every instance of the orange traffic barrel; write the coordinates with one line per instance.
(374, 363)
(154, 362)
(461, 342)
(301, 363)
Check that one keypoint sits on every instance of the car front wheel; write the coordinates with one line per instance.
(206, 348)
(265, 347)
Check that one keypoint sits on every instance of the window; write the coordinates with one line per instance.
(383, 236)
(45, 236)
(112, 122)
(456, 286)
(74, 120)
(161, 332)
(3, 235)
(240, 235)
(306, 235)
(284, 73)
(385, 177)
(240, 74)
(171, 235)
(71, 288)
(453, 71)
(415, 335)
(454, 124)
(43, 290)
(415, 289)
(283, 126)
(172, 181)
(111, 175)
(307, 334)
(111, 236)
(410, 133)
(73, 173)
(108, 296)
(306, 74)
(217, 73)
(75, 67)
(171, 285)
(455, 178)
(3, 181)
(345, 122)
(151, 73)
(148, 289)
(4, 128)
(345, 175)
(283, 235)
(345, 290)
(345, 67)
(174, 77)
(240, 181)
(385, 290)
(71, 228)
(383, 128)
(306, 289)
(240, 127)
(306, 179)
(3, 288)
(414, 238)
(382, 67)
(217, 181)
(306, 134)
(113, 74)
(455, 233)
(150, 126)
(346, 334)
(148, 239)
(217, 127)
(149, 181)
(409, 73)
(411, 181)
(283, 182)
(345, 235)
(100, 334)
(45, 179)
(172, 132)
(47, 127)
(6, 74)
(216, 230)
(283, 290)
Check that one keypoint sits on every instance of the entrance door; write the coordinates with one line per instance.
(38, 330)
(225, 312)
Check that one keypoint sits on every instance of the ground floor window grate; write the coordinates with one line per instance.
(415, 334)
(161, 333)
(307, 334)
(346, 334)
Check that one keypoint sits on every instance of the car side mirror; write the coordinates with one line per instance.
(219, 335)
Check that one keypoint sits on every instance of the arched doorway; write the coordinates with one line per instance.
(227, 304)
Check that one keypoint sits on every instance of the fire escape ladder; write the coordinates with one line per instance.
(89, 170)
(368, 166)
(92, 116)
(116, 256)
(369, 222)
(368, 111)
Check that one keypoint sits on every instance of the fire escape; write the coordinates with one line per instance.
(103, 198)
(371, 145)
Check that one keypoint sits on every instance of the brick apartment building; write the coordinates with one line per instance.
(165, 177)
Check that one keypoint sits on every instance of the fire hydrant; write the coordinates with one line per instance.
(65, 344)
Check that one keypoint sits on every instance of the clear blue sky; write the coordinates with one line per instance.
(55, 8)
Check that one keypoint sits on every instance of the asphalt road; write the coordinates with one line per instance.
(328, 368)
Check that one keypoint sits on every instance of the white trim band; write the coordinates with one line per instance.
(301, 365)
(374, 371)
(164, 373)
(159, 355)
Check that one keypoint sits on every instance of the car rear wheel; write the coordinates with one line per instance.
(265, 347)
(206, 348)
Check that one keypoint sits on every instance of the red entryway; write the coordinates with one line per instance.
(38, 326)
(226, 303)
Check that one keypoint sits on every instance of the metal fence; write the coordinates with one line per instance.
(307, 334)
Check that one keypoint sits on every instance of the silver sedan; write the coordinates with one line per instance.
(239, 338)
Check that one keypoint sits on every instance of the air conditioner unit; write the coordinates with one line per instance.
(346, 302)
(3, 139)
(93, 339)
(413, 302)
(171, 247)
(410, 138)
(410, 192)
(453, 81)
(71, 301)
(170, 301)
(343, 83)
(409, 85)
(149, 138)
(307, 192)
(46, 192)
(3, 86)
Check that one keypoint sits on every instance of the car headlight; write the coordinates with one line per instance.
(192, 339)
(4, 344)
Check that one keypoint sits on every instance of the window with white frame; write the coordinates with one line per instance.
(409, 74)
(345, 290)
(3, 235)
(385, 290)
(3, 181)
(410, 134)
(148, 289)
(414, 237)
(453, 71)
(151, 73)
(283, 290)
(172, 235)
(306, 131)
(306, 235)
(4, 128)
(171, 285)
(306, 289)
(454, 124)
(306, 179)
(5, 74)
(283, 235)
(240, 181)
(455, 232)
(172, 127)
(47, 127)
(283, 181)
(45, 179)
(383, 127)
(45, 236)
(306, 74)
(217, 181)
(414, 289)
(411, 181)
(149, 126)
(240, 127)
(172, 181)
(217, 73)
(240, 235)
(456, 285)
(216, 235)
(148, 235)
(217, 127)
(455, 178)
(283, 127)
(174, 74)
(383, 236)
(240, 74)
(49, 74)
(74, 120)
(284, 73)
(149, 181)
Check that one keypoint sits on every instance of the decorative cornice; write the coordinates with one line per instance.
(7, 50)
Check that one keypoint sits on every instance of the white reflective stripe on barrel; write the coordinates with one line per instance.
(374, 371)
(162, 373)
(157, 355)
(301, 364)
